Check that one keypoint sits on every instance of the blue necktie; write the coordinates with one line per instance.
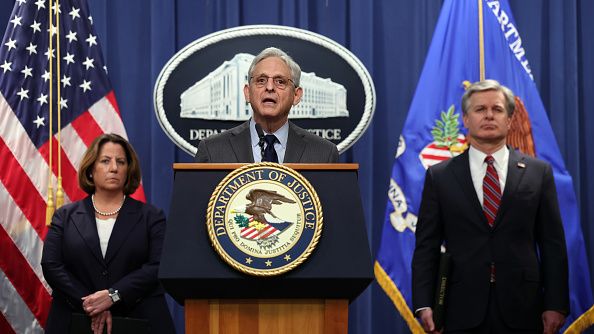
(269, 152)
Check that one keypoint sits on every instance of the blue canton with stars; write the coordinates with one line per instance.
(24, 64)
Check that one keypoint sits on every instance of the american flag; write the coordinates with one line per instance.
(255, 234)
(265, 231)
(88, 109)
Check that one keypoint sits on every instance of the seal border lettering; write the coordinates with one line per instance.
(275, 270)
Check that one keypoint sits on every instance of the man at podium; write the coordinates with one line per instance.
(272, 90)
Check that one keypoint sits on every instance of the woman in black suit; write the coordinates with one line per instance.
(101, 254)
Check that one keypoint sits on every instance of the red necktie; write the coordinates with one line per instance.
(491, 191)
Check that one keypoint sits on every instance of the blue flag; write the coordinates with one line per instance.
(433, 133)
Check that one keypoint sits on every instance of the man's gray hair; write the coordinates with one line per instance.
(276, 52)
(487, 85)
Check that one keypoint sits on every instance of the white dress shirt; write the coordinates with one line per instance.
(282, 134)
(478, 168)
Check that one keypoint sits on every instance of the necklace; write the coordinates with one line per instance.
(101, 213)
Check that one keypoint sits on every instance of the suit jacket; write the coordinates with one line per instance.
(526, 245)
(234, 145)
(74, 266)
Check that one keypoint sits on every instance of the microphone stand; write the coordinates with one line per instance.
(261, 141)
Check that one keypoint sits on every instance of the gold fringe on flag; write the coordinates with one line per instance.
(582, 323)
(54, 29)
(396, 296)
(59, 191)
(50, 207)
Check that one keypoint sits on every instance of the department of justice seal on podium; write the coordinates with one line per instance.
(264, 219)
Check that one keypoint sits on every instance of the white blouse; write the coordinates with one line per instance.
(104, 228)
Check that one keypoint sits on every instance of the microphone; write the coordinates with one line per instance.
(261, 141)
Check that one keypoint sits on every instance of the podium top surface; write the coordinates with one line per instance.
(230, 166)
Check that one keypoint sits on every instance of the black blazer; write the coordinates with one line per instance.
(234, 145)
(526, 245)
(74, 266)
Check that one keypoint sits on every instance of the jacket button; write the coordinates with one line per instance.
(104, 273)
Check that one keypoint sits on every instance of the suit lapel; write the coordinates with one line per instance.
(84, 220)
(515, 171)
(127, 219)
(295, 145)
(240, 141)
(461, 167)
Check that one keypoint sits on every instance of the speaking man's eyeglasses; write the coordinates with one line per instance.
(278, 81)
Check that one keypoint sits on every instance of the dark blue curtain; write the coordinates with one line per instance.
(391, 38)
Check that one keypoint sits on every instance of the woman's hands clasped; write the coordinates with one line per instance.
(97, 305)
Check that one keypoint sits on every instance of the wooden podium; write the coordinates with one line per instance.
(312, 298)
(232, 316)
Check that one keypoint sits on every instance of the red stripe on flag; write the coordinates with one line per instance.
(23, 278)
(5, 326)
(69, 173)
(268, 232)
(139, 194)
(114, 103)
(247, 231)
(86, 127)
(20, 188)
(434, 157)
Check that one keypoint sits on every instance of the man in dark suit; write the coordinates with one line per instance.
(272, 90)
(496, 212)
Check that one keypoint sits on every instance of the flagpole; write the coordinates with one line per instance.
(49, 211)
(481, 41)
(59, 191)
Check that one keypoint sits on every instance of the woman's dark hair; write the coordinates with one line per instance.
(85, 181)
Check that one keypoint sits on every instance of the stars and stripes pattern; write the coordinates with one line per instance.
(434, 153)
(88, 109)
(491, 191)
(267, 231)
(255, 234)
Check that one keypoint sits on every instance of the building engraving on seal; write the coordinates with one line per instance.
(219, 95)
(264, 219)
